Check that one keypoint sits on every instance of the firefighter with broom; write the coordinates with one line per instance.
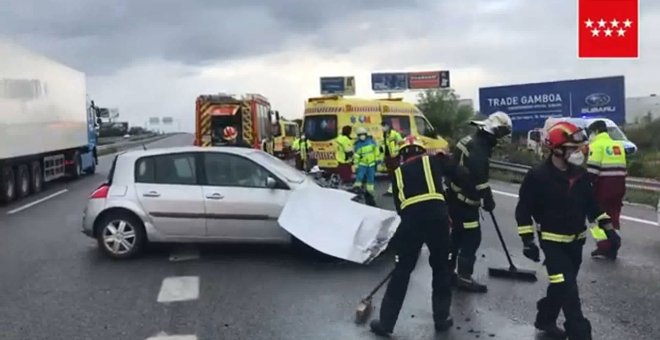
(558, 196)
(464, 199)
(420, 201)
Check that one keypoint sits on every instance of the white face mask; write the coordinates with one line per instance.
(362, 137)
(576, 158)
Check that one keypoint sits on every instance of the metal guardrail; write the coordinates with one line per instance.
(646, 184)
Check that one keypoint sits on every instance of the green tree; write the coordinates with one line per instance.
(441, 107)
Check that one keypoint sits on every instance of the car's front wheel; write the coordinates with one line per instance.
(120, 235)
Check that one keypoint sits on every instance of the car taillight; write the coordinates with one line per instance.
(100, 192)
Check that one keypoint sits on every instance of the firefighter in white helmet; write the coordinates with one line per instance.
(465, 197)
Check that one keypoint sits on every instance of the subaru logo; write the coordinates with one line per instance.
(597, 99)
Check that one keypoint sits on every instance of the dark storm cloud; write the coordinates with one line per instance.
(103, 36)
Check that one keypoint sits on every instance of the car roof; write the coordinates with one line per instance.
(181, 149)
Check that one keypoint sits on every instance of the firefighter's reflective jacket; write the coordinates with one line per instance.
(417, 185)
(473, 153)
(559, 202)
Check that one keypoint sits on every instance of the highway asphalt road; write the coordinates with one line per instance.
(55, 285)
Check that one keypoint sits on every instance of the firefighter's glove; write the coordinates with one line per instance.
(489, 203)
(531, 250)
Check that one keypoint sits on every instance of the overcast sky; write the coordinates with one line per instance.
(153, 57)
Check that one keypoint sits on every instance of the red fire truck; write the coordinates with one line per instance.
(250, 114)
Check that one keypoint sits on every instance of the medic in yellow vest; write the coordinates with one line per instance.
(606, 166)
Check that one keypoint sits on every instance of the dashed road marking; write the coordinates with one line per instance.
(164, 336)
(179, 288)
(623, 217)
(32, 204)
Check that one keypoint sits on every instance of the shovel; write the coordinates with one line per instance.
(512, 272)
(365, 306)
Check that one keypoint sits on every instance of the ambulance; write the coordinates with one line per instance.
(324, 118)
(284, 133)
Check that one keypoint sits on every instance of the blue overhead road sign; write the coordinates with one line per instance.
(389, 82)
(338, 85)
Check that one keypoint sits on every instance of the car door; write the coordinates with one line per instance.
(169, 191)
(239, 204)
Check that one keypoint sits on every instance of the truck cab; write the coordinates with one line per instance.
(536, 136)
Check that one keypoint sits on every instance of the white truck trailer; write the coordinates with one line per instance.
(47, 129)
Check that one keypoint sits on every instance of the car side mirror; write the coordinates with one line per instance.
(271, 182)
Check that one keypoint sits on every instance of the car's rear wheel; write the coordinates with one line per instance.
(120, 235)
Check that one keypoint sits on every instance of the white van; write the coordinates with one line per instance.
(536, 136)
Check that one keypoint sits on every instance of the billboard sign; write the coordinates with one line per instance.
(154, 121)
(428, 80)
(167, 120)
(529, 105)
(344, 86)
(389, 82)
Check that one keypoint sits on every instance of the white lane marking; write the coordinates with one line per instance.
(179, 288)
(164, 336)
(623, 217)
(41, 200)
(184, 254)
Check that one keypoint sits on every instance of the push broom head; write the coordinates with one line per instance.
(513, 273)
(363, 311)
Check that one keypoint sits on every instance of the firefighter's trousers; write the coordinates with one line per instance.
(562, 261)
(408, 241)
(465, 236)
(367, 175)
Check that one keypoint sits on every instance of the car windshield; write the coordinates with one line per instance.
(279, 166)
(616, 134)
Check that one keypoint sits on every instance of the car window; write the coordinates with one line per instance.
(224, 169)
(170, 169)
(280, 167)
(144, 170)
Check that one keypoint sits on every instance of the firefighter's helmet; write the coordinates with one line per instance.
(497, 124)
(411, 147)
(229, 133)
(362, 131)
(565, 134)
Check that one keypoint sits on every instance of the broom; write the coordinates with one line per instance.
(512, 272)
(363, 311)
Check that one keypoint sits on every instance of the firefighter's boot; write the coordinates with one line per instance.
(580, 330)
(546, 319)
(444, 325)
(465, 282)
(378, 328)
(468, 284)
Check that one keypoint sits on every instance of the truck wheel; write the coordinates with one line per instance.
(7, 185)
(37, 183)
(91, 170)
(76, 168)
(23, 181)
